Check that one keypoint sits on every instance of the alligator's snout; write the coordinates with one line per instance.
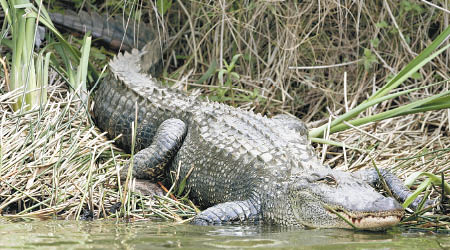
(338, 200)
(381, 213)
(386, 204)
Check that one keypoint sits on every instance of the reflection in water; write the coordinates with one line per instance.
(145, 235)
(245, 243)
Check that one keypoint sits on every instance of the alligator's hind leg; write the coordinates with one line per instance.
(396, 186)
(149, 163)
(232, 211)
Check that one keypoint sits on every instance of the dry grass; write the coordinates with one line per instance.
(295, 53)
(407, 144)
(56, 163)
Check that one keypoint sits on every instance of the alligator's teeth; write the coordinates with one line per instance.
(373, 222)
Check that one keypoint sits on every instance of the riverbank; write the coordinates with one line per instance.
(56, 164)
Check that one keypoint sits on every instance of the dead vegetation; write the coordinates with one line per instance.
(294, 54)
(56, 164)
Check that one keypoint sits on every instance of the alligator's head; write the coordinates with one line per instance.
(329, 198)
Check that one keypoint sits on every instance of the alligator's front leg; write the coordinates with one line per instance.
(227, 212)
(149, 163)
(396, 186)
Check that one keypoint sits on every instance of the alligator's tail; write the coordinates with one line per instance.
(119, 34)
(132, 71)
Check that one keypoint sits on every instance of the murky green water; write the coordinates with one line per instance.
(148, 235)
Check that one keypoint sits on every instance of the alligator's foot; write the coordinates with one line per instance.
(395, 185)
(228, 212)
(147, 188)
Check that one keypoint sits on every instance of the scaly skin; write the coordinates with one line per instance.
(110, 30)
(241, 166)
(245, 166)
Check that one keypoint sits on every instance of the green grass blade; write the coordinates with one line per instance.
(388, 114)
(83, 68)
(43, 93)
(337, 125)
(6, 10)
(211, 70)
(414, 65)
(317, 132)
(416, 193)
(436, 104)
(436, 180)
(69, 50)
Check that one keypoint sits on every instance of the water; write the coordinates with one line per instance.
(149, 235)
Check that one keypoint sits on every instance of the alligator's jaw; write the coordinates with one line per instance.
(370, 221)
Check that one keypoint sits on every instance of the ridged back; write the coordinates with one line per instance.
(127, 91)
(243, 134)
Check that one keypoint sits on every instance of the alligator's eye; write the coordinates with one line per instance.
(329, 180)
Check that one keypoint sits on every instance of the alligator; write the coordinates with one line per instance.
(239, 166)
